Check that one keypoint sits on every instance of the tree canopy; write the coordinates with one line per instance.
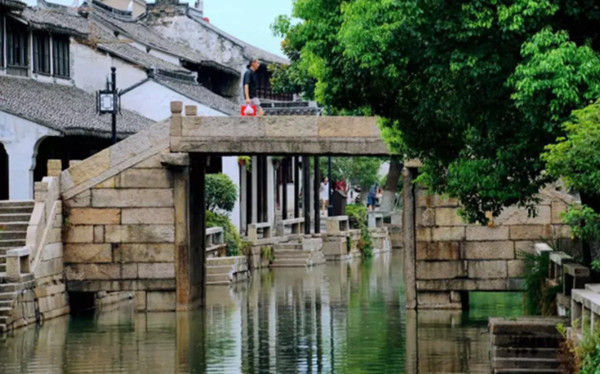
(475, 89)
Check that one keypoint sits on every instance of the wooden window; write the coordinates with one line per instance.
(41, 53)
(16, 45)
(60, 51)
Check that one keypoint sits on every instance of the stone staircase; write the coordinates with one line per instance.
(292, 255)
(222, 271)
(525, 345)
(14, 218)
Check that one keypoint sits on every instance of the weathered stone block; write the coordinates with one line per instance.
(153, 162)
(448, 234)
(490, 250)
(91, 167)
(335, 247)
(52, 251)
(462, 285)
(140, 300)
(88, 253)
(91, 216)
(145, 178)
(524, 232)
(423, 234)
(558, 209)
(440, 269)
(156, 271)
(480, 233)
(434, 299)
(159, 301)
(109, 183)
(274, 128)
(526, 246)
(438, 250)
(79, 234)
(140, 234)
(100, 271)
(357, 127)
(448, 217)
(425, 217)
(98, 234)
(160, 216)
(487, 269)
(516, 268)
(145, 253)
(83, 199)
(132, 198)
(562, 231)
(520, 216)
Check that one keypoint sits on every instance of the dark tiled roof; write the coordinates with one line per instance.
(66, 109)
(200, 94)
(12, 4)
(141, 33)
(56, 20)
(249, 50)
(107, 42)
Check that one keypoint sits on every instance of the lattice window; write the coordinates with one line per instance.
(61, 59)
(41, 53)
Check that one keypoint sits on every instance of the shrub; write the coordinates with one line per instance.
(221, 193)
(358, 214)
(230, 233)
(538, 298)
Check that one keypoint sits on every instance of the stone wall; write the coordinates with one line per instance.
(119, 230)
(42, 294)
(450, 258)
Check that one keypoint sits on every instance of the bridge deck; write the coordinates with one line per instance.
(307, 135)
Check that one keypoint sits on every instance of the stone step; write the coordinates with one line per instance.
(291, 262)
(510, 352)
(218, 269)
(14, 217)
(8, 235)
(219, 261)
(289, 246)
(16, 210)
(528, 371)
(16, 203)
(279, 253)
(219, 283)
(7, 295)
(14, 287)
(526, 363)
(5, 310)
(211, 278)
(2, 266)
(14, 226)
(11, 243)
(3, 320)
(6, 303)
(541, 341)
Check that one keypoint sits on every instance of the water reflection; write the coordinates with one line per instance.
(338, 318)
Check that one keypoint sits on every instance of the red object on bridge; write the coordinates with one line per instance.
(246, 112)
(206, 19)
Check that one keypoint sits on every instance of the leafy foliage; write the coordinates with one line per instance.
(475, 89)
(358, 214)
(221, 193)
(537, 298)
(360, 171)
(230, 233)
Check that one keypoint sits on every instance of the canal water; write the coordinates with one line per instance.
(337, 318)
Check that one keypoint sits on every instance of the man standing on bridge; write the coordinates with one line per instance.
(251, 85)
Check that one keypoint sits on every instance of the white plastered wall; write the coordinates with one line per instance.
(20, 138)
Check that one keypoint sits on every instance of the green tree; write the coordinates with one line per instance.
(475, 89)
(361, 171)
(221, 193)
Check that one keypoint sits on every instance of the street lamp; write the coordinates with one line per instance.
(108, 101)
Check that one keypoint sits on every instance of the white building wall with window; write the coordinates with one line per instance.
(20, 138)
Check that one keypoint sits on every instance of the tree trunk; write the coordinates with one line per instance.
(391, 184)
